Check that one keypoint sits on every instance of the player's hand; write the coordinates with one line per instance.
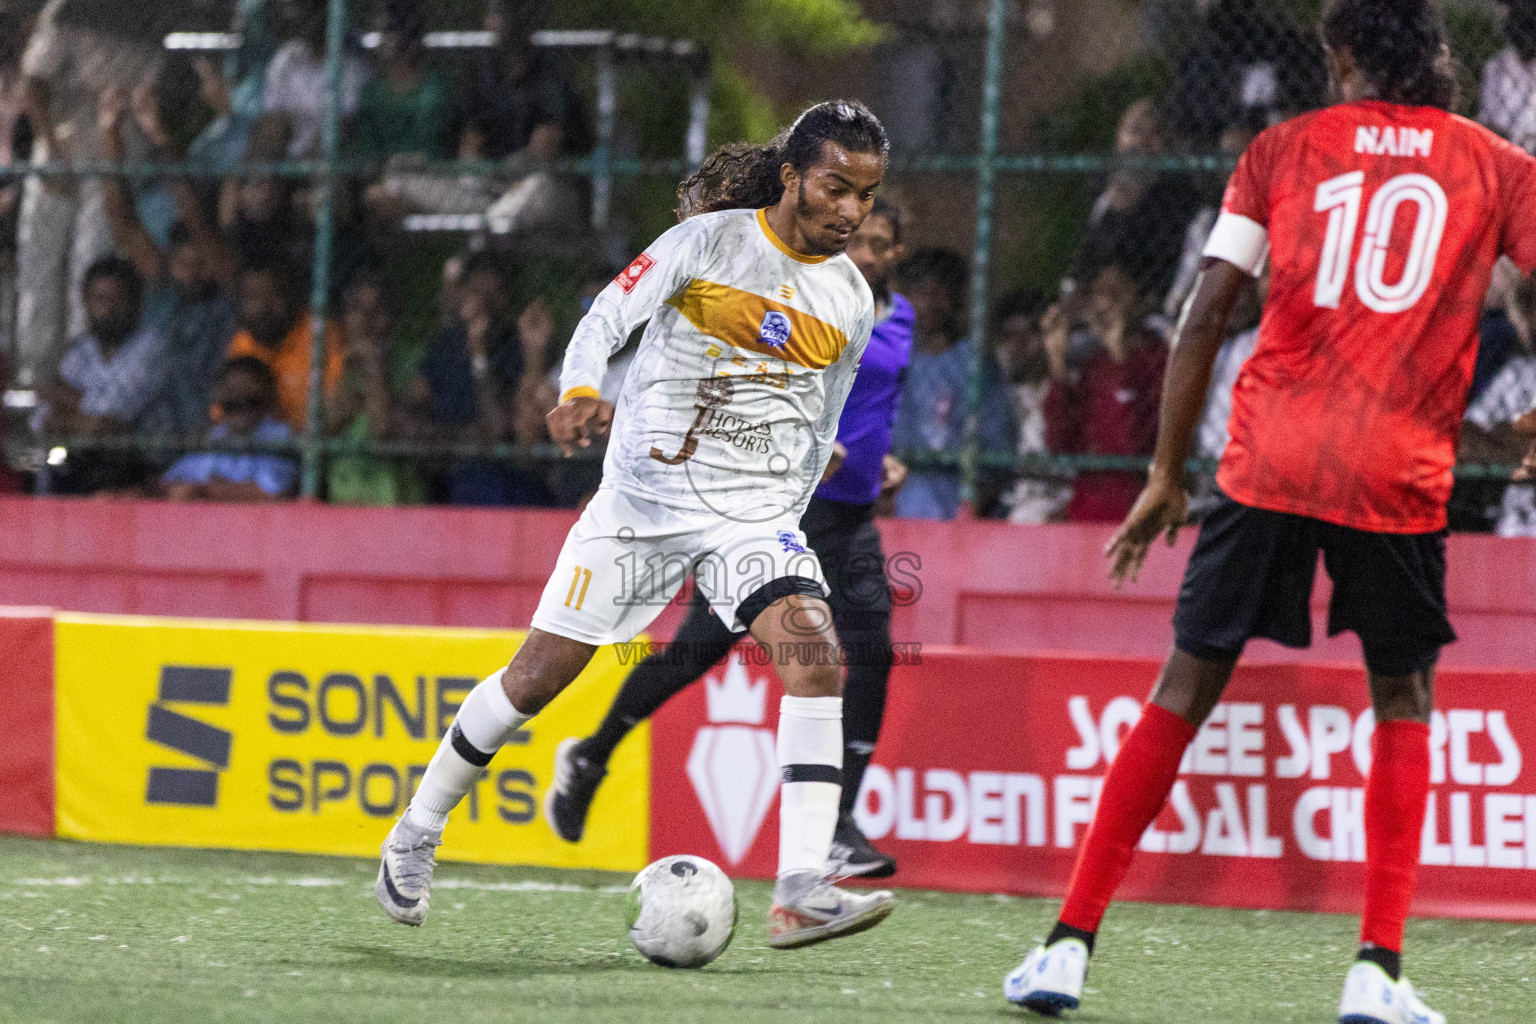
(835, 463)
(1056, 337)
(893, 474)
(1527, 425)
(575, 422)
(1162, 508)
(536, 326)
(111, 110)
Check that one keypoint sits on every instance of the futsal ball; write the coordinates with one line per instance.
(682, 912)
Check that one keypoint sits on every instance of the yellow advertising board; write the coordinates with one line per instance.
(304, 738)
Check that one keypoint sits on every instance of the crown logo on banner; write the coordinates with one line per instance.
(732, 764)
(736, 697)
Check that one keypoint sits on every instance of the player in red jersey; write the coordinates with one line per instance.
(1382, 219)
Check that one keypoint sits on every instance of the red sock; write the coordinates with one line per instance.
(1134, 792)
(1395, 795)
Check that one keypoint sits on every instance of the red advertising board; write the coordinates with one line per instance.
(989, 768)
(26, 721)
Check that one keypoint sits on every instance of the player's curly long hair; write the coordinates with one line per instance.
(1399, 46)
(742, 176)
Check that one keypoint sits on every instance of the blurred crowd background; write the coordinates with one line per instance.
(203, 287)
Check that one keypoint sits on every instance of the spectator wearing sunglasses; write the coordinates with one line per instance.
(245, 398)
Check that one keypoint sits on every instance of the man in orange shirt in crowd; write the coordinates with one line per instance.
(276, 329)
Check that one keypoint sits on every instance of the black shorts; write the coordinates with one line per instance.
(1252, 571)
(847, 543)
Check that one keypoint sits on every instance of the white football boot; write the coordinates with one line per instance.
(1372, 997)
(1050, 979)
(404, 885)
(821, 912)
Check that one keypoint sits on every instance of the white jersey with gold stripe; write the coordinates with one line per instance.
(732, 403)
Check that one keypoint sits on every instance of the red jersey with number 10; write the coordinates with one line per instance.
(1383, 224)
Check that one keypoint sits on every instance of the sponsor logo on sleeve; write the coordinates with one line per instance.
(634, 272)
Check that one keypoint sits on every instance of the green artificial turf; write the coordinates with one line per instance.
(109, 933)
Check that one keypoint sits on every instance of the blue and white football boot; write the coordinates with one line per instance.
(404, 885)
(1050, 979)
(1372, 997)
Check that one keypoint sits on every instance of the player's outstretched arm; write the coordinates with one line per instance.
(1163, 505)
(633, 297)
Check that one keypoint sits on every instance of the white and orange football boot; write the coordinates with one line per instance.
(810, 909)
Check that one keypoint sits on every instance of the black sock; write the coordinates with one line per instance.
(1384, 958)
(867, 642)
(1066, 931)
(855, 761)
(598, 747)
(700, 642)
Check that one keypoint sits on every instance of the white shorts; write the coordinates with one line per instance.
(626, 558)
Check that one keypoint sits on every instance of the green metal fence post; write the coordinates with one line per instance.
(325, 230)
(981, 258)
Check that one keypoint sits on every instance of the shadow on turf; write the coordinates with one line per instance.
(522, 965)
(394, 962)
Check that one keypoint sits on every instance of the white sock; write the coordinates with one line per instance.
(811, 762)
(485, 721)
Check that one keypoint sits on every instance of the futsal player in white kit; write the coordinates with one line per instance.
(724, 427)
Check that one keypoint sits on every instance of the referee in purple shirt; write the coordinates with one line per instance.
(840, 525)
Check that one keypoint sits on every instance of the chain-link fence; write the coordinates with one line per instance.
(360, 231)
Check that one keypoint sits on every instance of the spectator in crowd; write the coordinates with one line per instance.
(363, 408)
(220, 146)
(1507, 328)
(518, 103)
(261, 220)
(408, 107)
(188, 279)
(471, 382)
(10, 482)
(254, 24)
(276, 329)
(1508, 104)
(1139, 221)
(1021, 351)
(935, 402)
(1248, 62)
(519, 111)
(166, 111)
(246, 395)
(15, 150)
(15, 131)
(574, 481)
(1504, 335)
(1110, 406)
(235, 91)
(1489, 436)
(113, 374)
(293, 103)
(1213, 435)
(63, 227)
(1234, 142)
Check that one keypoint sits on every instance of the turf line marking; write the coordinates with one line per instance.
(529, 886)
(314, 882)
